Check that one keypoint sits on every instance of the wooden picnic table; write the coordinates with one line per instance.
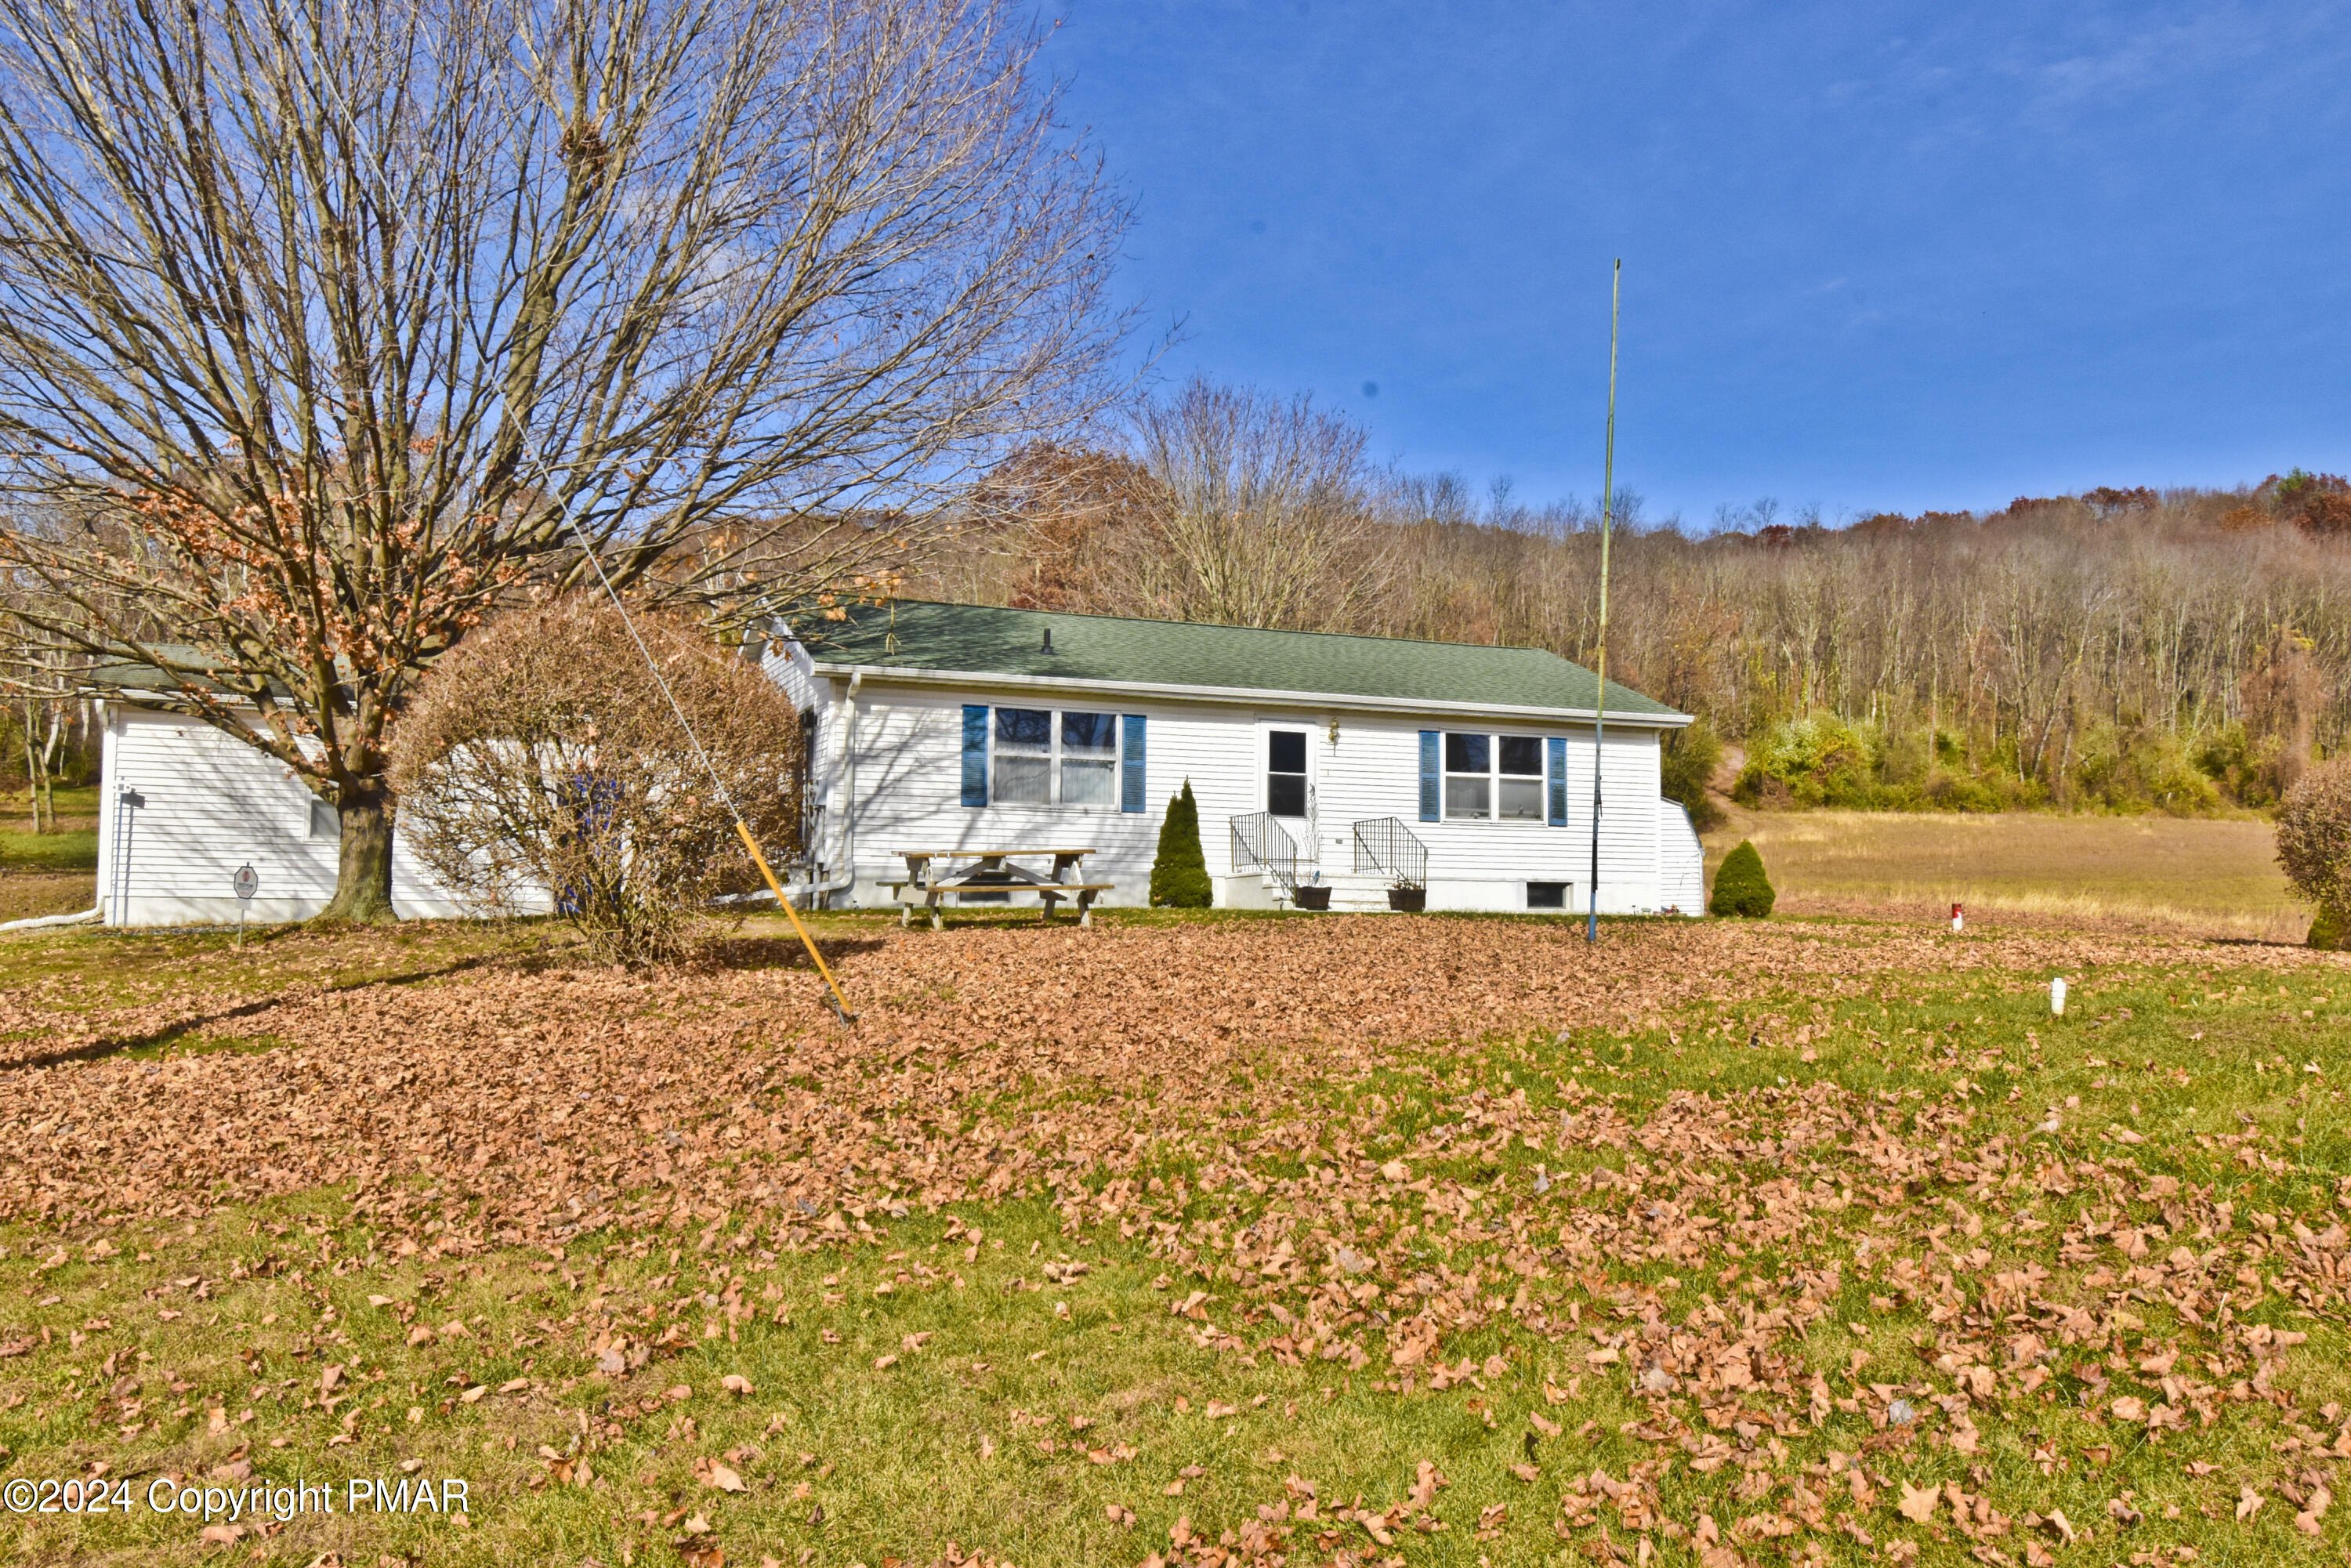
(930, 877)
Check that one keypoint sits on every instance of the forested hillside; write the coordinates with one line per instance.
(2123, 650)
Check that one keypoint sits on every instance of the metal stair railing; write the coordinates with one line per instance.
(1385, 846)
(1259, 840)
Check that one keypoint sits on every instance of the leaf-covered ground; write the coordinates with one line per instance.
(1218, 1240)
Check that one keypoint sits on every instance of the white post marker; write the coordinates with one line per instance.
(2057, 997)
(244, 884)
(1958, 918)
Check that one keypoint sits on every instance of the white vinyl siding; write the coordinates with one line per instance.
(1681, 860)
(908, 794)
(1373, 769)
(207, 804)
(909, 742)
(212, 803)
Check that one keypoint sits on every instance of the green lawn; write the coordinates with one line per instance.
(73, 851)
(1736, 1278)
(73, 847)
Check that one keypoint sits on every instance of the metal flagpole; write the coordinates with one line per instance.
(1600, 683)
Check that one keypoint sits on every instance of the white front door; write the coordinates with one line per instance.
(1285, 761)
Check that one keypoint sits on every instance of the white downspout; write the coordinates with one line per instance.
(847, 875)
(36, 922)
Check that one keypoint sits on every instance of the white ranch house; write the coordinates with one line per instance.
(1316, 759)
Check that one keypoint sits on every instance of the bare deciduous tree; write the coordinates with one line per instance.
(1266, 512)
(1071, 516)
(540, 760)
(325, 324)
(40, 681)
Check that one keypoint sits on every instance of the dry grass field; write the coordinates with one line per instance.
(1448, 1240)
(2204, 877)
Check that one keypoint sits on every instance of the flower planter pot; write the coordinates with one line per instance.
(1312, 898)
(1411, 899)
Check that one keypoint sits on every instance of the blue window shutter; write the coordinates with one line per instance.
(1130, 767)
(1557, 746)
(975, 755)
(1429, 791)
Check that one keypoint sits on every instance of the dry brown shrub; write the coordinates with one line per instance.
(540, 762)
(2314, 837)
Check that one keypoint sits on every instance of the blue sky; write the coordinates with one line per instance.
(1876, 257)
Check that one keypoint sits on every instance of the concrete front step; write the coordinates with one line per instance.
(1349, 892)
(1354, 894)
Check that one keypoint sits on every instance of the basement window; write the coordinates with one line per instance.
(1546, 896)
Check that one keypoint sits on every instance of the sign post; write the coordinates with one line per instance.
(245, 883)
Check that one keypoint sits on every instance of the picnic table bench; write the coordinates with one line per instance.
(931, 876)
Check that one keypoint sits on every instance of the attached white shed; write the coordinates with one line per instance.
(183, 806)
(1354, 763)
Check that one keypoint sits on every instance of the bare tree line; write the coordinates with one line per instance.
(2032, 643)
(2121, 648)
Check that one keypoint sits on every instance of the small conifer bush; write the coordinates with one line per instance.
(1739, 886)
(1179, 875)
(2326, 933)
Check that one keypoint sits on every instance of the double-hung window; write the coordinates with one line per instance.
(1040, 756)
(1089, 760)
(1493, 778)
(1468, 778)
(1519, 794)
(1024, 756)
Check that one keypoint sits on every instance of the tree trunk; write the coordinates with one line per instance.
(32, 786)
(48, 785)
(363, 875)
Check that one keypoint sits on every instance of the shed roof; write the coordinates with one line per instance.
(916, 635)
(130, 677)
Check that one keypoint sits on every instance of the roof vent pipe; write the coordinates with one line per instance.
(1049, 639)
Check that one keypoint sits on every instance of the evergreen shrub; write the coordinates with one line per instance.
(1739, 886)
(1179, 875)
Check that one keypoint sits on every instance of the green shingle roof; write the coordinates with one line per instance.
(978, 639)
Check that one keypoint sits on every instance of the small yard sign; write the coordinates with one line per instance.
(244, 884)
